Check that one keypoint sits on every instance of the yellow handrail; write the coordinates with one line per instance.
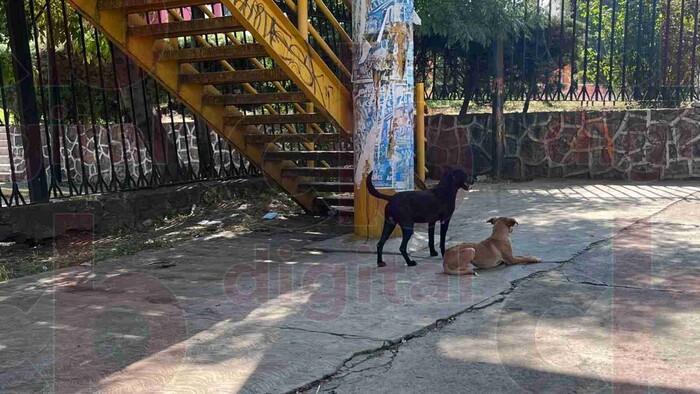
(331, 18)
(322, 43)
(420, 131)
(258, 65)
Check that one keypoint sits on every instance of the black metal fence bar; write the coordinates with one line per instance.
(641, 51)
(103, 124)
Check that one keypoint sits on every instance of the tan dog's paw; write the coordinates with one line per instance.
(535, 260)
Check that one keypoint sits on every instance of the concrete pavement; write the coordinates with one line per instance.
(623, 316)
(271, 312)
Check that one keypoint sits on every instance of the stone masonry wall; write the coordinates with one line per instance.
(124, 150)
(636, 144)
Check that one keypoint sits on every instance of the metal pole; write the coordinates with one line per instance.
(420, 131)
(28, 108)
(303, 18)
(498, 124)
(303, 26)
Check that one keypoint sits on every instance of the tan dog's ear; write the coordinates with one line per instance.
(512, 222)
(492, 220)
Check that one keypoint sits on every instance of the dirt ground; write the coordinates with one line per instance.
(242, 216)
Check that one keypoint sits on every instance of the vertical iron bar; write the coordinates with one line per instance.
(560, 92)
(178, 167)
(623, 82)
(584, 90)
(84, 186)
(101, 185)
(114, 181)
(667, 33)
(498, 133)
(637, 71)
(155, 177)
(597, 94)
(653, 63)
(695, 48)
(679, 58)
(611, 84)
(141, 178)
(53, 186)
(57, 128)
(15, 193)
(190, 172)
(162, 135)
(128, 180)
(573, 85)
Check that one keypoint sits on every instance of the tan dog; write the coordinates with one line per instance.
(488, 253)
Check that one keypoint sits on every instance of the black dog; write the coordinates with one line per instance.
(429, 206)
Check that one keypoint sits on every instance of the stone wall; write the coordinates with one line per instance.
(107, 213)
(125, 151)
(635, 144)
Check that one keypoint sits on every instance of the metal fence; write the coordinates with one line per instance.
(100, 124)
(643, 51)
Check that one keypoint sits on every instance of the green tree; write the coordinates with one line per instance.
(463, 31)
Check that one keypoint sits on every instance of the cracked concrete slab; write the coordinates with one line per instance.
(262, 314)
(622, 316)
(546, 336)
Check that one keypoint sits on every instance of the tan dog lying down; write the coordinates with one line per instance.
(488, 253)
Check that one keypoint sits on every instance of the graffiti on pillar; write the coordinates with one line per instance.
(383, 92)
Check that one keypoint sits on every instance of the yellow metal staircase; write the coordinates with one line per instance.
(253, 76)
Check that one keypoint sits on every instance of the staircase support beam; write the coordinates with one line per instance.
(287, 47)
(146, 51)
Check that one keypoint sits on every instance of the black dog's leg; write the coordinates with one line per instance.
(389, 227)
(407, 232)
(443, 234)
(431, 239)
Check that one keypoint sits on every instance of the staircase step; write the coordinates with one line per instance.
(337, 200)
(214, 53)
(242, 76)
(344, 212)
(260, 98)
(321, 172)
(134, 6)
(274, 119)
(194, 27)
(279, 138)
(336, 157)
(321, 187)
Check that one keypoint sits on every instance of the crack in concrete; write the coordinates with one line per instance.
(439, 324)
(337, 334)
(613, 286)
(598, 284)
(392, 356)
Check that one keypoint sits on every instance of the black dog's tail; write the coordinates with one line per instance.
(373, 191)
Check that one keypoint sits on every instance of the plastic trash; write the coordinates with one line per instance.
(270, 215)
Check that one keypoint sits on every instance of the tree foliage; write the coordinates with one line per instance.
(461, 23)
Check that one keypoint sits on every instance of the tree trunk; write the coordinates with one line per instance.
(469, 84)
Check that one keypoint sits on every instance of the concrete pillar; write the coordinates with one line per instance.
(383, 97)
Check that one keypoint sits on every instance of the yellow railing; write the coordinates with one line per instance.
(317, 36)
